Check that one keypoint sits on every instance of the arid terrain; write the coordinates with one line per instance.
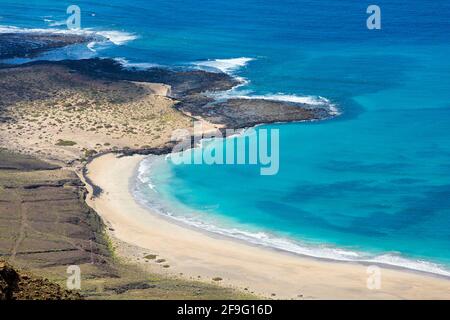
(45, 226)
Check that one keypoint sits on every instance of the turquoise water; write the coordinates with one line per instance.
(372, 184)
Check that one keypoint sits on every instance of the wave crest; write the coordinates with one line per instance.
(231, 66)
(228, 66)
(136, 65)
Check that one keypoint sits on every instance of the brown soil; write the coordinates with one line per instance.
(45, 226)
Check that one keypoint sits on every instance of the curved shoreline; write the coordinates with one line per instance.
(241, 265)
(283, 244)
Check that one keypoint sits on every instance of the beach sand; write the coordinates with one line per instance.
(266, 272)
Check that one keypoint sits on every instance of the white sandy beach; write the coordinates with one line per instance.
(264, 271)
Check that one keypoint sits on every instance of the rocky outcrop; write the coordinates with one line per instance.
(29, 45)
(242, 113)
(10, 161)
(16, 285)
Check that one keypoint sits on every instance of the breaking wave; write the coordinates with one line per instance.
(233, 65)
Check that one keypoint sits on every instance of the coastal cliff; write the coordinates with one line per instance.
(17, 285)
(46, 226)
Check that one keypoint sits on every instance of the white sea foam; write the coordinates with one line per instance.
(309, 100)
(136, 65)
(143, 168)
(264, 238)
(75, 51)
(267, 239)
(315, 101)
(54, 23)
(228, 66)
(114, 36)
(91, 46)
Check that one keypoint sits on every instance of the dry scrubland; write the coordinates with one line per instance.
(55, 113)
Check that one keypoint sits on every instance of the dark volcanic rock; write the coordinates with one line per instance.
(20, 286)
(9, 280)
(10, 161)
(241, 113)
(182, 82)
(28, 45)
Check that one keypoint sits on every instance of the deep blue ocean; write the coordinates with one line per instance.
(372, 184)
